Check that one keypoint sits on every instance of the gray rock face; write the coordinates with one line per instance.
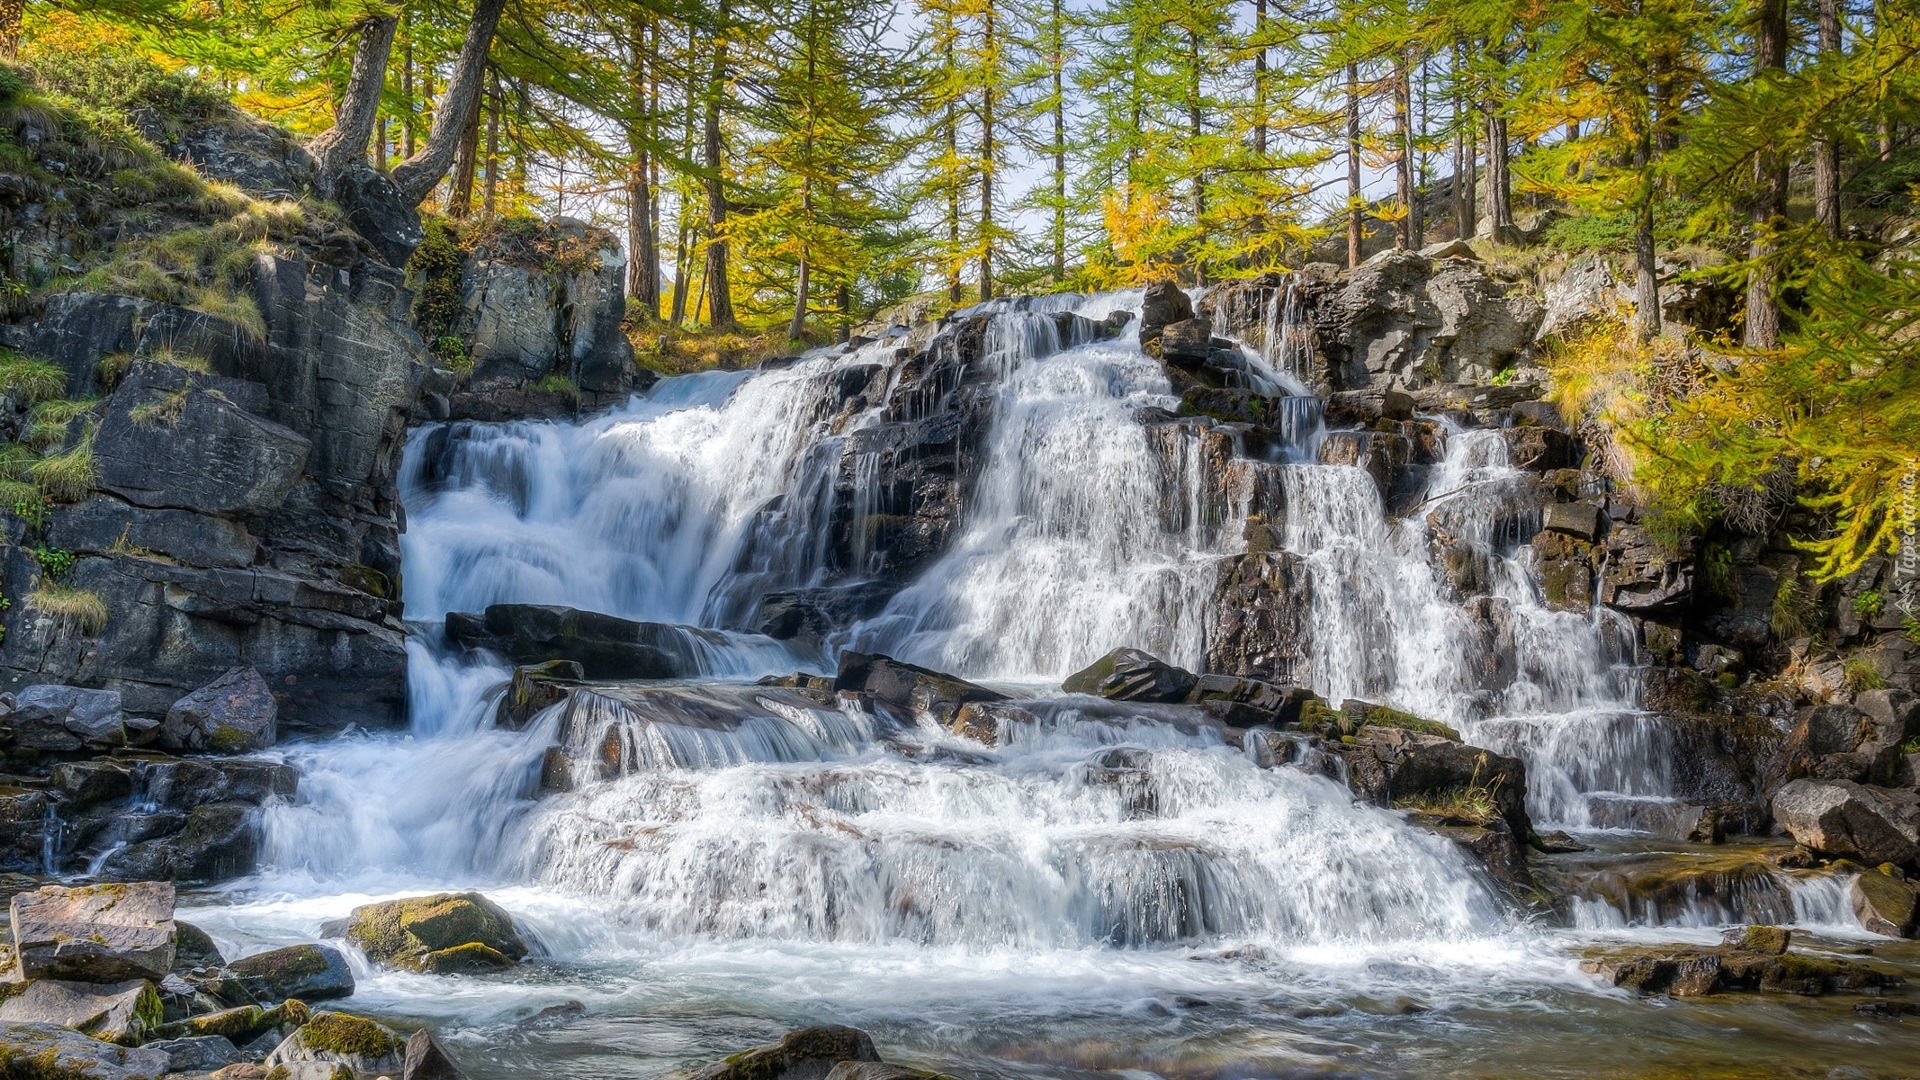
(1261, 617)
(233, 714)
(194, 449)
(81, 1057)
(1854, 821)
(95, 933)
(283, 456)
(1587, 289)
(116, 1013)
(198, 540)
(77, 329)
(550, 304)
(151, 817)
(48, 717)
(1405, 321)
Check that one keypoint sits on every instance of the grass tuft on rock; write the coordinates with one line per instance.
(71, 607)
(31, 381)
(67, 477)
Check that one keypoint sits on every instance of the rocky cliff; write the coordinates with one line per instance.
(224, 453)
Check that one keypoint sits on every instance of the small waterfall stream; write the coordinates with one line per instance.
(749, 844)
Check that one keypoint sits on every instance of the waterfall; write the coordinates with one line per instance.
(1092, 519)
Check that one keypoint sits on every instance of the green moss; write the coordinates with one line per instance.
(340, 1033)
(434, 271)
(471, 957)
(1381, 716)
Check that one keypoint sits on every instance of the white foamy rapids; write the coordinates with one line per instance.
(1818, 903)
(1061, 849)
(436, 802)
(1552, 687)
(1085, 531)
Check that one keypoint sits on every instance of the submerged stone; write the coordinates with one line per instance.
(806, 1054)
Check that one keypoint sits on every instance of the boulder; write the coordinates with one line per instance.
(198, 1053)
(535, 688)
(1850, 820)
(1772, 940)
(194, 948)
(880, 1070)
(120, 1013)
(605, 646)
(217, 841)
(377, 211)
(233, 714)
(1574, 519)
(1132, 675)
(807, 1054)
(52, 1052)
(1883, 902)
(1433, 773)
(330, 1038)
(95, 933)
(48, 717)
(1240, 702)
(1585, 290)
(1187, 343)
(918, 691)
(444, 933)
(426, 1059)
(306, 972)
(162, 444)
(1163, 304)
(243, 1024)
(988, 722)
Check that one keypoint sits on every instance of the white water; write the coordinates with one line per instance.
(758, 851)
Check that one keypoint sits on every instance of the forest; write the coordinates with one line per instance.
(798, 164)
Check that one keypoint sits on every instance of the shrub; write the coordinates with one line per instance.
(1867, 604)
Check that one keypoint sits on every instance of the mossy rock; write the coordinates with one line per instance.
(404, 933)
(364, 1046)
(1364, 713)
(465, 960)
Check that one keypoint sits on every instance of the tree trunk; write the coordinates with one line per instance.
(345, 144)
(1058, 62)
(1826, 149)
(1194, 154)
(843, 299)
(1770, 191)
(1646, 284)
(643, 254)
(719, 292)
(1355, 224)
(1499, 189)
(465, 157)
(682, 256)
(1260, 80)
(1403, 152)
(407, 119)
(459, 106)
(986, 166)
(1462, 162)
(380, 144)
(487, 202)
(952, 133)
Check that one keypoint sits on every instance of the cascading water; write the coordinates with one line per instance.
(731, 849)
